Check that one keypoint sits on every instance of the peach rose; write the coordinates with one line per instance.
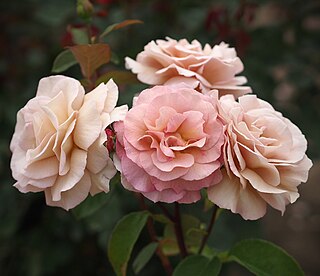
(264, 156)
(58, 144)
(171, 62)
(169, 144)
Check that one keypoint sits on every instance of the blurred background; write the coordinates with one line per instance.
(278, 42)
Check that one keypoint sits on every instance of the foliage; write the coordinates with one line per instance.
(264, 258)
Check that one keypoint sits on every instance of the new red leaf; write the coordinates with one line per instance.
(91, 57)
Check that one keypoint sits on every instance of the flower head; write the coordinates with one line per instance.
(264, 155)
(203, 68)
(59, 141)
(169, 144)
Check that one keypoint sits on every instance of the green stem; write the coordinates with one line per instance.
(179, 232)
(165, 211)
(153, 236)
(209, 229)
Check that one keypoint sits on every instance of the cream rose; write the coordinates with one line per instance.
(204, 68)
(58, 143)
(264, 156)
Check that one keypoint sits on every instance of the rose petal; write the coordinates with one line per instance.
(167, 196)
(66, 182)
(229, 194)
(100, 181)
(98, 155)
(88, 126)
(70, 198)
(136, 176)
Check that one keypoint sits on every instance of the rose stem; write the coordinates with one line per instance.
(178, 231)
(153, 236)
(165, 211)
(209, 229)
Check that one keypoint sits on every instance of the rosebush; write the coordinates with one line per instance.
(172, 160)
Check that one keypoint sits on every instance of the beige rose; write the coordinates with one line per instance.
(203, 68)
(58, 143)
(264, 158)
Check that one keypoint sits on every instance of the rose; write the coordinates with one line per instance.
(58, 143)
(171, 62)
(264, 156)
(169, 144)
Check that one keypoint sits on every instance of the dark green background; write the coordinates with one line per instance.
(278, 42)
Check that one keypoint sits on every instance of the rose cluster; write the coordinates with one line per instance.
(196, 129)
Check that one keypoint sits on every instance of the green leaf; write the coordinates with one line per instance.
(192, 232)
(198, 265)
(264, 258)
(191, 265)
(63, 62)
(212, 268)
(123, 238)
(209, 252)
(161, 218)
(91, 205)
(79, 35)
(169, 246)
(120, 25)
(91, 57)
(144, 257)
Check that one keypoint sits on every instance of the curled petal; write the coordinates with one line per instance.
(229, 194)
(71, 198)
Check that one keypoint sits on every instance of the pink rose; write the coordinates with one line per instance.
(264, 156)
(169, 144)
(172, 62)
(58, 144)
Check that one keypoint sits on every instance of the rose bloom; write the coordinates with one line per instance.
(169, 144)
(58, 143)
(264, 156)
(171, 62)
